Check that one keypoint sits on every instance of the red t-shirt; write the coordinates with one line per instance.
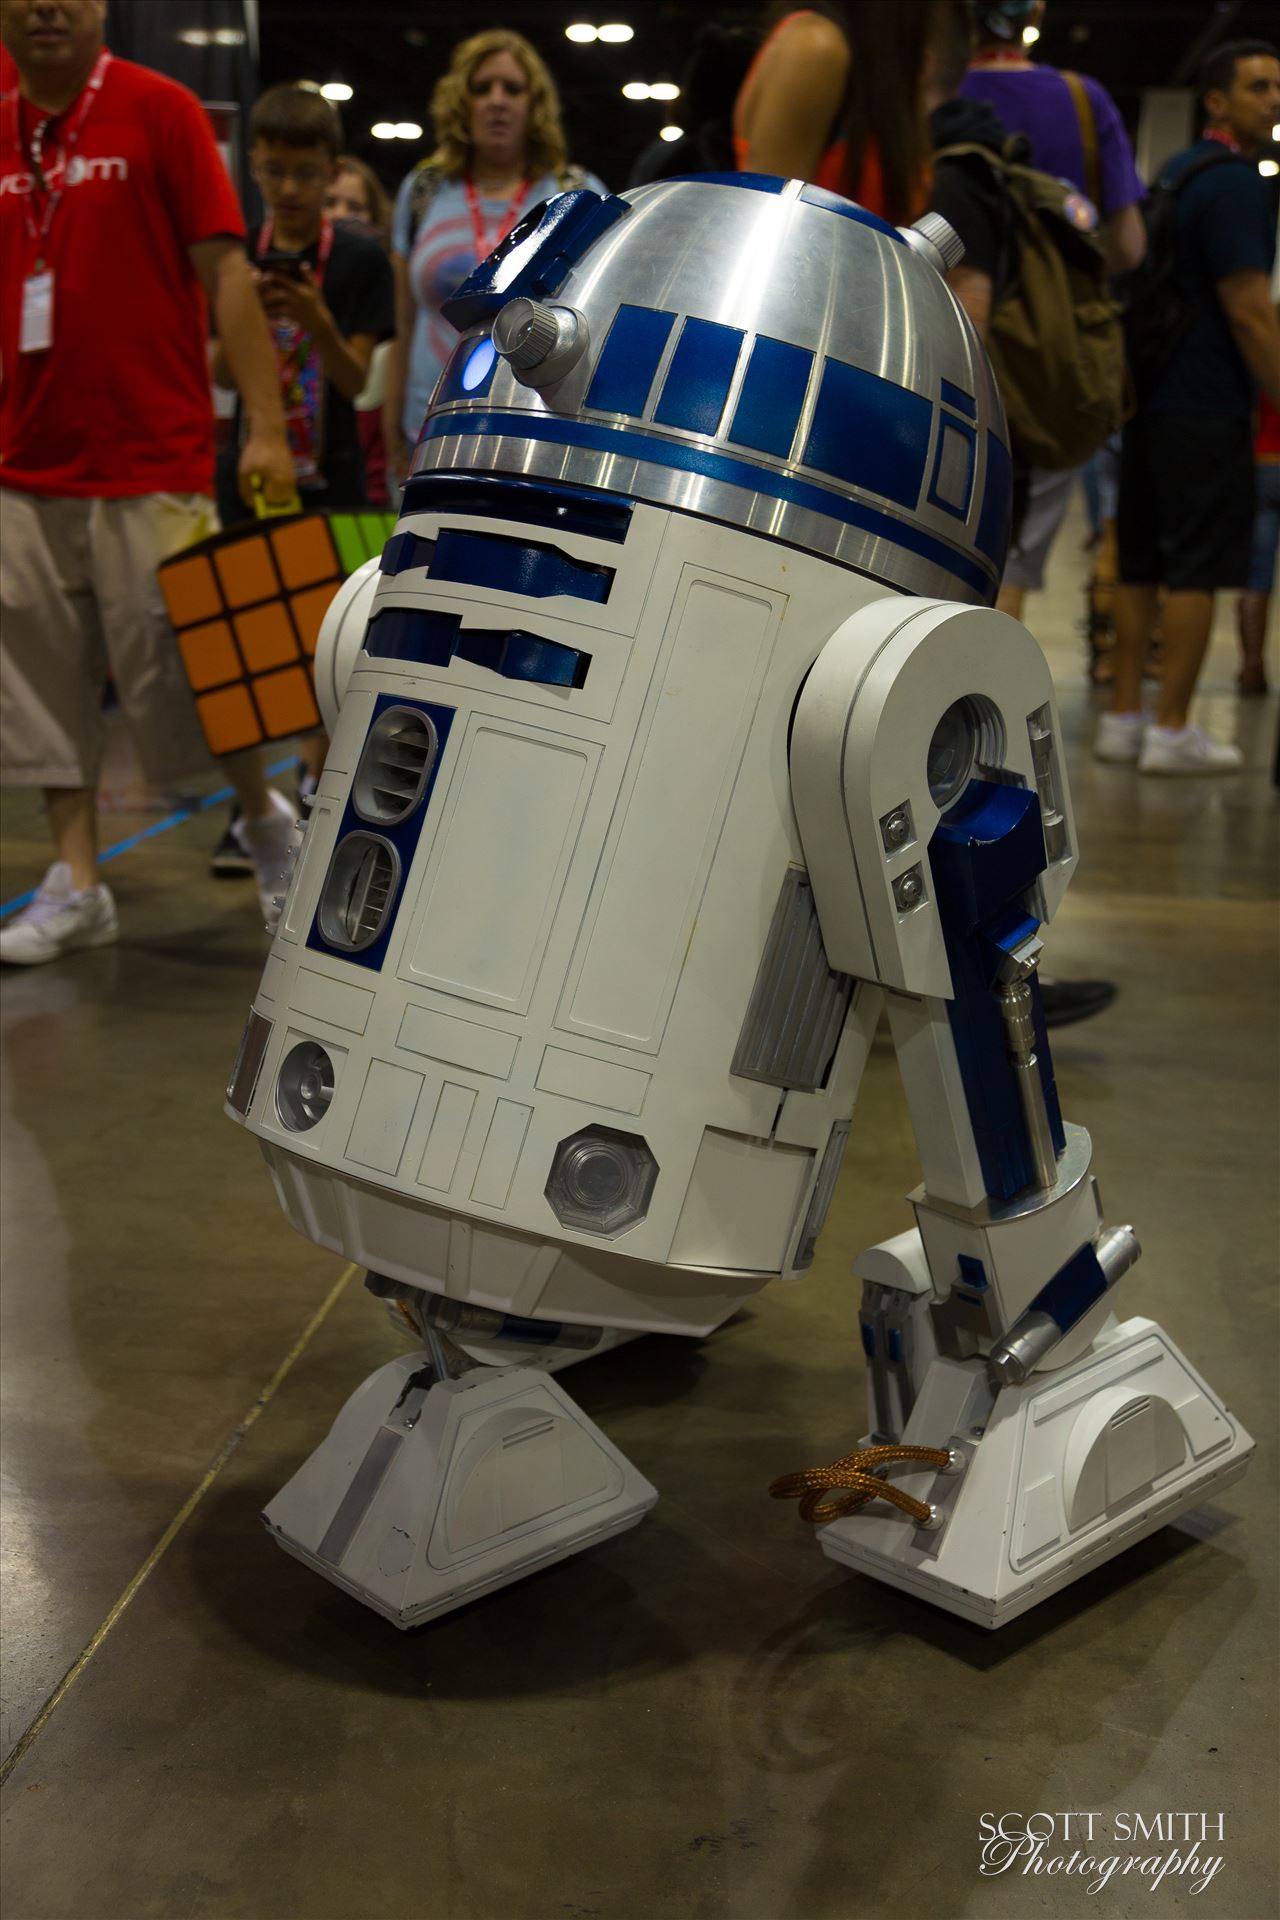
(120, 403)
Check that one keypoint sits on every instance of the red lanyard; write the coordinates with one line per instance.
(484, 245)
(93, 87)
(1223, 138)
(324, 246)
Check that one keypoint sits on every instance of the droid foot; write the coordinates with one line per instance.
(430, 1492)
(1063, 1473)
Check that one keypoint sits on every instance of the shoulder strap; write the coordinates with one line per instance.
(1200, 164)
(1088, 135)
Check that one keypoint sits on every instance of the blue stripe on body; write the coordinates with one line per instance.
(432, 639)
(601, 516)
(629, 359)
(772, 395)
(717, 466)
(515, 566)
(697, 383)
(870, 432)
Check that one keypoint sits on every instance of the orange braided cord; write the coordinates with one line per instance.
(855, 1474)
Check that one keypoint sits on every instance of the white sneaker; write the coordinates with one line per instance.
(59, 920)
(272, 844)
(1119, 737)
(1186, 750)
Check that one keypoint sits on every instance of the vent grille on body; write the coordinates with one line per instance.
(395, 766)
(358, 891)
(798, 1004)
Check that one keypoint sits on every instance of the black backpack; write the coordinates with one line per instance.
(1157, 314)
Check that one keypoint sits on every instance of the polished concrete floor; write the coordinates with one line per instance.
(703, 1719)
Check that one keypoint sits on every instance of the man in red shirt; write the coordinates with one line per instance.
(117, 219)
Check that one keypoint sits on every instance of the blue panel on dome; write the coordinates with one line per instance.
(849, 209)
(685, 457)
(753, 182)
(697, 383)
(951, 483)
(772, 395)
(870, 433)
(629, 359)
(957, 397)
(992, 537)
(536, 257)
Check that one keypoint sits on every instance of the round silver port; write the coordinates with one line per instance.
(305, 1086)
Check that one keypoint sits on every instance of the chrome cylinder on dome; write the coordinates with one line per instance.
(761, 353)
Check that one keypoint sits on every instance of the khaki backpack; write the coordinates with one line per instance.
(1055, 336)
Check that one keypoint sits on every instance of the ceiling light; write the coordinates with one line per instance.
(671, 133)
(616, 34)
(664, 90)
(582, 33)
(635, 90)
(383, 130)
(337, 90)
(1275, 134)
(1269, 167)
(1030, 35)
(408, 130)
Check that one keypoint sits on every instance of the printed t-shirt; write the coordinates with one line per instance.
(439, 258)
(119, 404)
(359, 291)
(1037, 102)
(1224, 224)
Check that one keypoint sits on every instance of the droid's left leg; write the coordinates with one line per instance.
(442, 1480)
(1025, 1435)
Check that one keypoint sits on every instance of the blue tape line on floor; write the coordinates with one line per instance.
(149, 833)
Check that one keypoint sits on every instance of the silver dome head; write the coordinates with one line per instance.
(757, 351)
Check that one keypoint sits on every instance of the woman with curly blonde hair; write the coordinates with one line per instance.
(500, 149)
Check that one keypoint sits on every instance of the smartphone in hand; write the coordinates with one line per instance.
(289, 265)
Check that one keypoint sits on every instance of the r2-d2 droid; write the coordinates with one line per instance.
(674, 738)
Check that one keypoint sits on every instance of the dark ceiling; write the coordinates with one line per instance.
(391, 52)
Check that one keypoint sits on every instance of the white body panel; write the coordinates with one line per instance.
(633, 838)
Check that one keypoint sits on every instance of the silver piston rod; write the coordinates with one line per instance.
(1020, 1037)
(1035, 1334)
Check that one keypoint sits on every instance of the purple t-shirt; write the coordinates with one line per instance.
(1037, 102)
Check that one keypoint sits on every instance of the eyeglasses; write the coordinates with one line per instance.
(272, 174)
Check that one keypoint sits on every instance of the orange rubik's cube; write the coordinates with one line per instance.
(247, 606)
